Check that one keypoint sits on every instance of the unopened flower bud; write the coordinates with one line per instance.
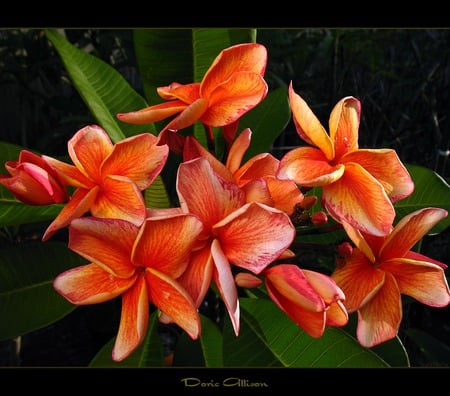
(247, 280)
(319, 218)
(345, 249)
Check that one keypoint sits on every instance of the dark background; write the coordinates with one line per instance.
(401, 76)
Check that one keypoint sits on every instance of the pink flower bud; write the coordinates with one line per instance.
(319, 218)
(247, 280)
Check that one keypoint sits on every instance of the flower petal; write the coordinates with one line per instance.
(133, 320)
(385, 166)
(308, 125)
(421, 280)
(138, 157)
(172, 299)
(90, 284)
(344, 125)
(360, 200)
(254, 250)
(358, 239)
(285, 194)
(379, 319)
(166, 243)
(186, 93)
(189, 115)
(153, 113)
(106, 242)
(69, 174)
(238, 149)
(308, 167)
(260, 165)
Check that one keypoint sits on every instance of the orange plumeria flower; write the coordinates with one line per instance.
(232, 86)
(33, 181)
(246, 235)
(257, 177)
(358, 185)
(138, 263)
(379, 269)
(311, 300)
(108, 178)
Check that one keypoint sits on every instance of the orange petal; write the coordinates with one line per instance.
(248, 57)
(90, 284)
(189, 115)
(138, 157)
(153, 113)
(203, 192)
(358, 279)
(308, 125)
(357, 238)
(70, 174)
(421, 280)
(224, 280)
(166, 243)
(254, 250)
(379, 319)
(344, 125)
(119, 198)
(88, 148)
(385, 166)
(261, 165)
(337, 314)
(106, 242)
(80, 202)
(308, 167)
(360, 200)
(172, 299)
(285, 194)
(409, 230)
(186, 93)
(233, 98)
(133, 320)
(325, 286)
(238, 149)
(257, 191)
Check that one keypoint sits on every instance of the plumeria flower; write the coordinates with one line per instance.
(232, 86)
(257, 177)
(33, 181)
(379, 270)
(248, 235)
(140, 264)
(310, 299)
(359, 186)
(108, 178)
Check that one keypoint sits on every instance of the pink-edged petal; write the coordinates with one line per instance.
(360, 200)
(138, 157)
(261, 165)
(257, 191)
(119, 198)
(133, 320)
(162, 212)
(308, 167)
(358, 239)
(166, 243)
(285, 194)
(308, 125)
(385, 166)
(80, 202)
(70, 174)
(172, 299)
(421, 280)
(249, 57)
(189, 115)
(247, 280)
(409, 230)
(325, 286)
(420, 257)
(90, 284)
(196, 279)
(172, 139)
(238, 149)
(254, 236)
(233, 98)
(379, 319)
(337, 314)
(358, 280)
(88, 148)
(203, 192)
(152, 113)
(106, 242)
(224, 280)
(344, 125)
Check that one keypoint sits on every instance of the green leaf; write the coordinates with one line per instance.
(148, 354)
(268, 338)
(430, 190)
(28, 300)
(104, 90)
(156, 195)
(437, 352)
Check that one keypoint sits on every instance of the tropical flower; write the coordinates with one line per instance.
(311, 300)
(232, 86)
(108, 178)
(358, 185)
(379, 269)
(248, 235)
(33, 181)
(257, 177)
(138, 263)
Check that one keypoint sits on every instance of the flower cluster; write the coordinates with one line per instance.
(236, 221)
